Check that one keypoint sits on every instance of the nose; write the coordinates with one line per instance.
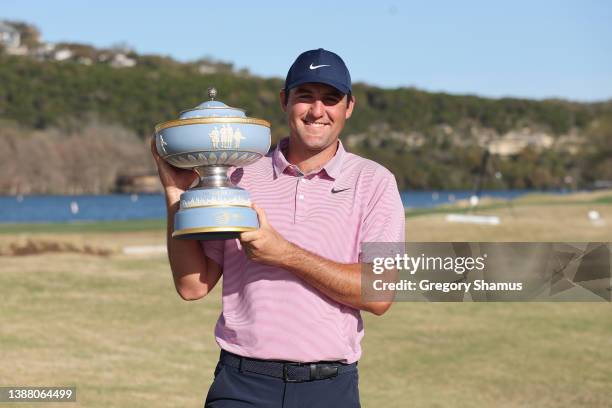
(317, 108)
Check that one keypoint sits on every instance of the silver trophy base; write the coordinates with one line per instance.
(215, 209)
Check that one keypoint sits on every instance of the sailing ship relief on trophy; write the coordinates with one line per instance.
(211, 138)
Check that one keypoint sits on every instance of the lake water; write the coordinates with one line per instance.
(40, 209)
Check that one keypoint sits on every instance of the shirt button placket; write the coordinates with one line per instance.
(300, 205)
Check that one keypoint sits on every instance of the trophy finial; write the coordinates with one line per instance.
(212, 93)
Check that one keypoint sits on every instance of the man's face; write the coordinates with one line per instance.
(316, 114)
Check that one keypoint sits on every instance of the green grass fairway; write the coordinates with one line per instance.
(84, 227)
(115, 328)
(533, 218)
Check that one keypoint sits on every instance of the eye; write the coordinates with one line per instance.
(331, 100)
(303, 97)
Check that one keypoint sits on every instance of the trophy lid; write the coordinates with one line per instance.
(212, 108)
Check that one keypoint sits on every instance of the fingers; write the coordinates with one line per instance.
(261, 214)
(248, 236)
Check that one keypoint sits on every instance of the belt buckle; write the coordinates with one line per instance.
(285, 376)
(323, 371)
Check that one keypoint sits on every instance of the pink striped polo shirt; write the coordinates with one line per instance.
(268, 312)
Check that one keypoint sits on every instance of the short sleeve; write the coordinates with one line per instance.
(384, 218)
(214, 250)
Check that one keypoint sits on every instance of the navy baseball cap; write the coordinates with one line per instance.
(320, 66)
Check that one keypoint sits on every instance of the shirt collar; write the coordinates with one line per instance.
(332, 167)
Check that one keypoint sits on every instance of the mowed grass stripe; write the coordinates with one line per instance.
(84, 227)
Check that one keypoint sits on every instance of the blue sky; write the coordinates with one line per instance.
(534, 49)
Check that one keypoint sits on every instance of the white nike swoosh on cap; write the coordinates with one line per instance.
(318, 66)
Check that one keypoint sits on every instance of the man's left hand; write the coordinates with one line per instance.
(264, 245)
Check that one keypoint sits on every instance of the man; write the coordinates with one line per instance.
(291, 327)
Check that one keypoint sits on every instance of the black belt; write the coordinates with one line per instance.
(288, 371)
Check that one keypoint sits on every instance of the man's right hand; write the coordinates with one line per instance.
(174, 180)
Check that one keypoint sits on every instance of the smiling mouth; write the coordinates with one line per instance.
(315, 124)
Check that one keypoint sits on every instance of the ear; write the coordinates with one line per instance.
(282, 100)
(350, 107)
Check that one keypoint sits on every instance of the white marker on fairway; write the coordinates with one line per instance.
(596, 218)
(474, 219)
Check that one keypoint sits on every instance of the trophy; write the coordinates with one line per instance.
(211, 138)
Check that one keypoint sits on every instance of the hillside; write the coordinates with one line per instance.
(429, 140)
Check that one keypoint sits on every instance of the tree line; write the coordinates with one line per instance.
(63, 99)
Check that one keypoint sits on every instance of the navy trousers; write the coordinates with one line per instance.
(235, 389)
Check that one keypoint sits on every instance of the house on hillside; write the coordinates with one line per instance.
(44, 51)
(62, 54)
(122, 61)
(10, 39)
(9, 36)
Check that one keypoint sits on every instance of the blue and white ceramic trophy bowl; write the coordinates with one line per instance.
(211, 138)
